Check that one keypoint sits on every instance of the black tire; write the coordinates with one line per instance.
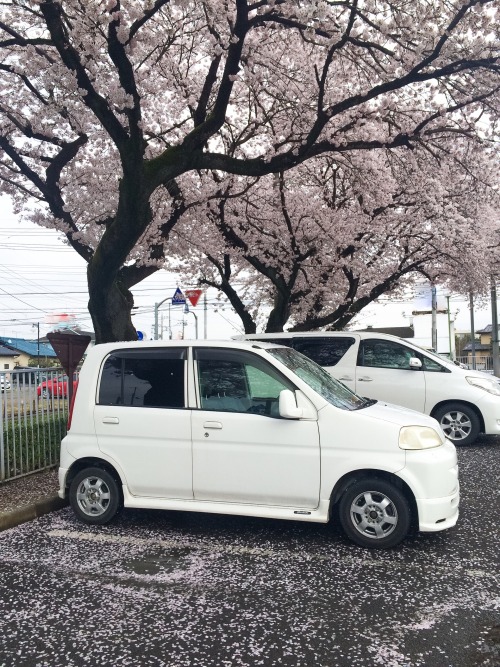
(374, 513)
(95, 496)
(459, 422)
(46, 393)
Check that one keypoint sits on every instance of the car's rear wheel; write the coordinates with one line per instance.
(459, 422)
(374, 513)
(94, 496)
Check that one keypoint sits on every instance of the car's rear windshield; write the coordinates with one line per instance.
(318, 379)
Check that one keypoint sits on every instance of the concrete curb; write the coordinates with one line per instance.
(30, 512)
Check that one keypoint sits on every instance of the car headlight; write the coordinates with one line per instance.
(419, 437)
(491, 386)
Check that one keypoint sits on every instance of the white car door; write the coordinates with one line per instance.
(141, 422)
(383, 372)
(243, 452)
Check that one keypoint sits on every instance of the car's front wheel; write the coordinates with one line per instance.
(459, 422)
(94, 496)
(374, 513)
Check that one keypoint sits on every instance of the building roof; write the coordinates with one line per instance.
(7, 352)
(29, 347)
(479, 347)
(402, 332)
(487, 329)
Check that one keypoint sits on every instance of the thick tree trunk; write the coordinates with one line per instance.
(280, 313)
(110, 307)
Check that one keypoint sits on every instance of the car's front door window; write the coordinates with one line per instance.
(384, 354)
(238, 381)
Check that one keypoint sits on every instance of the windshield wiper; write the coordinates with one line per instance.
(367, 403)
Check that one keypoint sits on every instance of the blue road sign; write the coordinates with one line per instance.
(178, 299)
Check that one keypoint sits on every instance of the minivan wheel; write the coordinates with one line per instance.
(94, 496)
(374, 513)
(459, 422)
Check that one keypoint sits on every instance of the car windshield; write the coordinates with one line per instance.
(320, 380)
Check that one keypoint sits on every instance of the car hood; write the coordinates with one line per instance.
(397, 414)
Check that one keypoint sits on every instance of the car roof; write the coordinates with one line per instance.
(320, 334)
(106, 348)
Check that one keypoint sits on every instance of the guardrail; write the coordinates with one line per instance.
(33, 417)
(479, 363)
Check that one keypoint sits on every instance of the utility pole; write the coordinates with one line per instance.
(450, 341)
(433, 316)
(37, 325)
(205, 315)
(472, 332)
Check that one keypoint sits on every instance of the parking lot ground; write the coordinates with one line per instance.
(179, 589)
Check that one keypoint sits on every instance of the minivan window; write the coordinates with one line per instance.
(145, 378)
(238, 381)
(320, 380)
(324, 351)
(380, 353)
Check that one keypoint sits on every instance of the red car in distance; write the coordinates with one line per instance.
(56, 386)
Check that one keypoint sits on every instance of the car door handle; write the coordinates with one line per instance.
(345, 379)
(212, 425)
(110, 420)
(365, 379)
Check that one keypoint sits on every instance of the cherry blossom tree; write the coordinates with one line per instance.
(313, 246)
(113, 111)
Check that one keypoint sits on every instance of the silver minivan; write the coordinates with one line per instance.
(388, 368)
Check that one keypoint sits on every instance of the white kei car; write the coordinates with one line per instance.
(250, 429)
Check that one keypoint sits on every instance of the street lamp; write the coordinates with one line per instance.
(186, 310)
(157, 306)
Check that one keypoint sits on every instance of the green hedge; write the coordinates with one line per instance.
(28, 447)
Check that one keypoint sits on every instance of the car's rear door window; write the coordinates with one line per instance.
(145, 378)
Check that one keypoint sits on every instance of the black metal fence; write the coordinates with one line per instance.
(33, 418)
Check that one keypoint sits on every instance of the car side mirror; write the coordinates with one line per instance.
(288, 405)
(415, 364)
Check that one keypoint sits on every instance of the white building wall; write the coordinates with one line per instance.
(422, 326)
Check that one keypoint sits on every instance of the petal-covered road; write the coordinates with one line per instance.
(160, 589)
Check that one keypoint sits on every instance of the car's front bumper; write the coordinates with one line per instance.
(432, 475)
(437, 513)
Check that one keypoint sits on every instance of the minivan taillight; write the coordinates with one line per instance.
(70, 416)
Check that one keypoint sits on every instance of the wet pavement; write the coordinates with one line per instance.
(179, 589)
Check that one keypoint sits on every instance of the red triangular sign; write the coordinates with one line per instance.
(193, 295)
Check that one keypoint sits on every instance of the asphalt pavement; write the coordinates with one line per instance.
(171, 589)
